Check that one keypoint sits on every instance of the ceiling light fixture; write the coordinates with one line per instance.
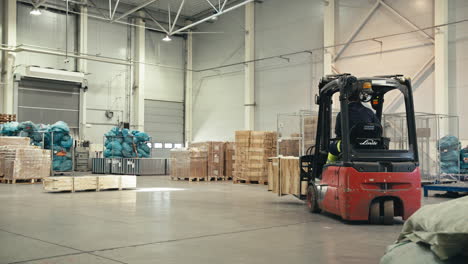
(35, 12)
(167, 38)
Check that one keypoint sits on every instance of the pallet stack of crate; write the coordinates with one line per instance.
(229, 153)
(253, 148)
(189, 164)
(290, 146)
(5, 118)
(20, 161)
(284, 176)
(215, 152)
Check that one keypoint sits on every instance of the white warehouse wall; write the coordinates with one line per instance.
(218, 95)
(290, 84)
(404, 54)
(42, 31)
(164, 82)
(458, 65)
(280, 86)
(108, 84)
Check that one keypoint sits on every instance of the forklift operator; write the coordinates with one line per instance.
(358, 113)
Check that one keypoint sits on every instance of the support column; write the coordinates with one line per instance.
(83, 65)
(249, 83)
(9, 38)
(138, 98)
(441, 95)
(328, 37)
(188, 89)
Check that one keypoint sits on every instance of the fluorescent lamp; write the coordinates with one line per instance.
(35, 12)
(167, 38)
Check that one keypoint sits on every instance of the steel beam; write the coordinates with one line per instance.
(115, 9)
(155, 21)
(214, 7)
(407, 21)
(83, 66)
(224, 4)
(133, 10)
(188, 90)
(328, 37)
(249, 81)
(138, 95)
(9, 58)
(212, 16)
(358, 29)
(177, 16)
(38, 4)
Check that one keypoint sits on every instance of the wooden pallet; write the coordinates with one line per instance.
(20, 181)
(89, 183)
(249, 181)
(191, 179)
(5, 118)
(216, 178)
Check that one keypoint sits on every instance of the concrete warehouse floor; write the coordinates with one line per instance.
(179, 222)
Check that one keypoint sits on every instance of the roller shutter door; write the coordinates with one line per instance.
(46, 102)
(164, 122)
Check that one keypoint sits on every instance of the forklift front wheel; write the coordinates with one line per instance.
(374, 214)
(312, 197)
(388, 212)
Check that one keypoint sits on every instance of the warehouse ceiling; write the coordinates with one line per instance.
(169, 16)
(191, 8)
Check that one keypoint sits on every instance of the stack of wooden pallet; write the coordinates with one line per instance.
(253, 148)
(5, 118)
(189, 164)
(20, 163)
(215, 152)
(229, 150)
(284, 176)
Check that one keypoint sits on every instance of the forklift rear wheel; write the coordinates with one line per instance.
(374, 214)
(312, 202)
(388, 212)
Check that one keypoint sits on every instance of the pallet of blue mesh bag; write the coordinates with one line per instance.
(124, 143)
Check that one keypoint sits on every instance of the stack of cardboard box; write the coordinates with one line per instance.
(189, 163)
(215, 152)
(229, 154)
(253, 148)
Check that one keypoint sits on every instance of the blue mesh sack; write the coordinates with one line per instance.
(449, 143)
(141, 136)
(10, 129)
(60, 126)
(113, 132)
(144, 147)
(67, 142)
(27, 126)
(129, 139)
(451, 155)
(449, 167)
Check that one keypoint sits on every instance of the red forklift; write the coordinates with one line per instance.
(374, 179)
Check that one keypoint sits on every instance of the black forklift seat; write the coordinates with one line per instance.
(367, 136)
